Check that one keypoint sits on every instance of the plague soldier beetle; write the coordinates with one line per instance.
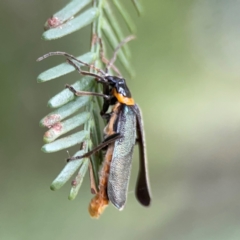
(124, 128)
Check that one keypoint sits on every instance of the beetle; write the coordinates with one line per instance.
(124, 128)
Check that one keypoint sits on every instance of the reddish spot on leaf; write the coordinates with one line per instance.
(48, 134)
(52, 22)
(53, 132)
(51, 120)
(74, 183)
(57, 127)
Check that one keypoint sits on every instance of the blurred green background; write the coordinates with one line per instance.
(187, 58)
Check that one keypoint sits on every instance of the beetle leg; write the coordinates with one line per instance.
(106, 142)
(81, 93)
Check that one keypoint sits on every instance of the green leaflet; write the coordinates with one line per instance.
(72, 25)
(71, 9)
(79, 179)
(128, 20)
(66, 96)
(61, 128)
(138, 7)
(67, 172)
(63, 68)
(66, 142)
(116, 27)
(64, 111)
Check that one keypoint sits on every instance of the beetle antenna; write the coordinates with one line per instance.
(105, 60)
(100, 78)
(71, 57)
(111, 62)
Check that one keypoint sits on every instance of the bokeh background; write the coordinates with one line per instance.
(187, 59)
